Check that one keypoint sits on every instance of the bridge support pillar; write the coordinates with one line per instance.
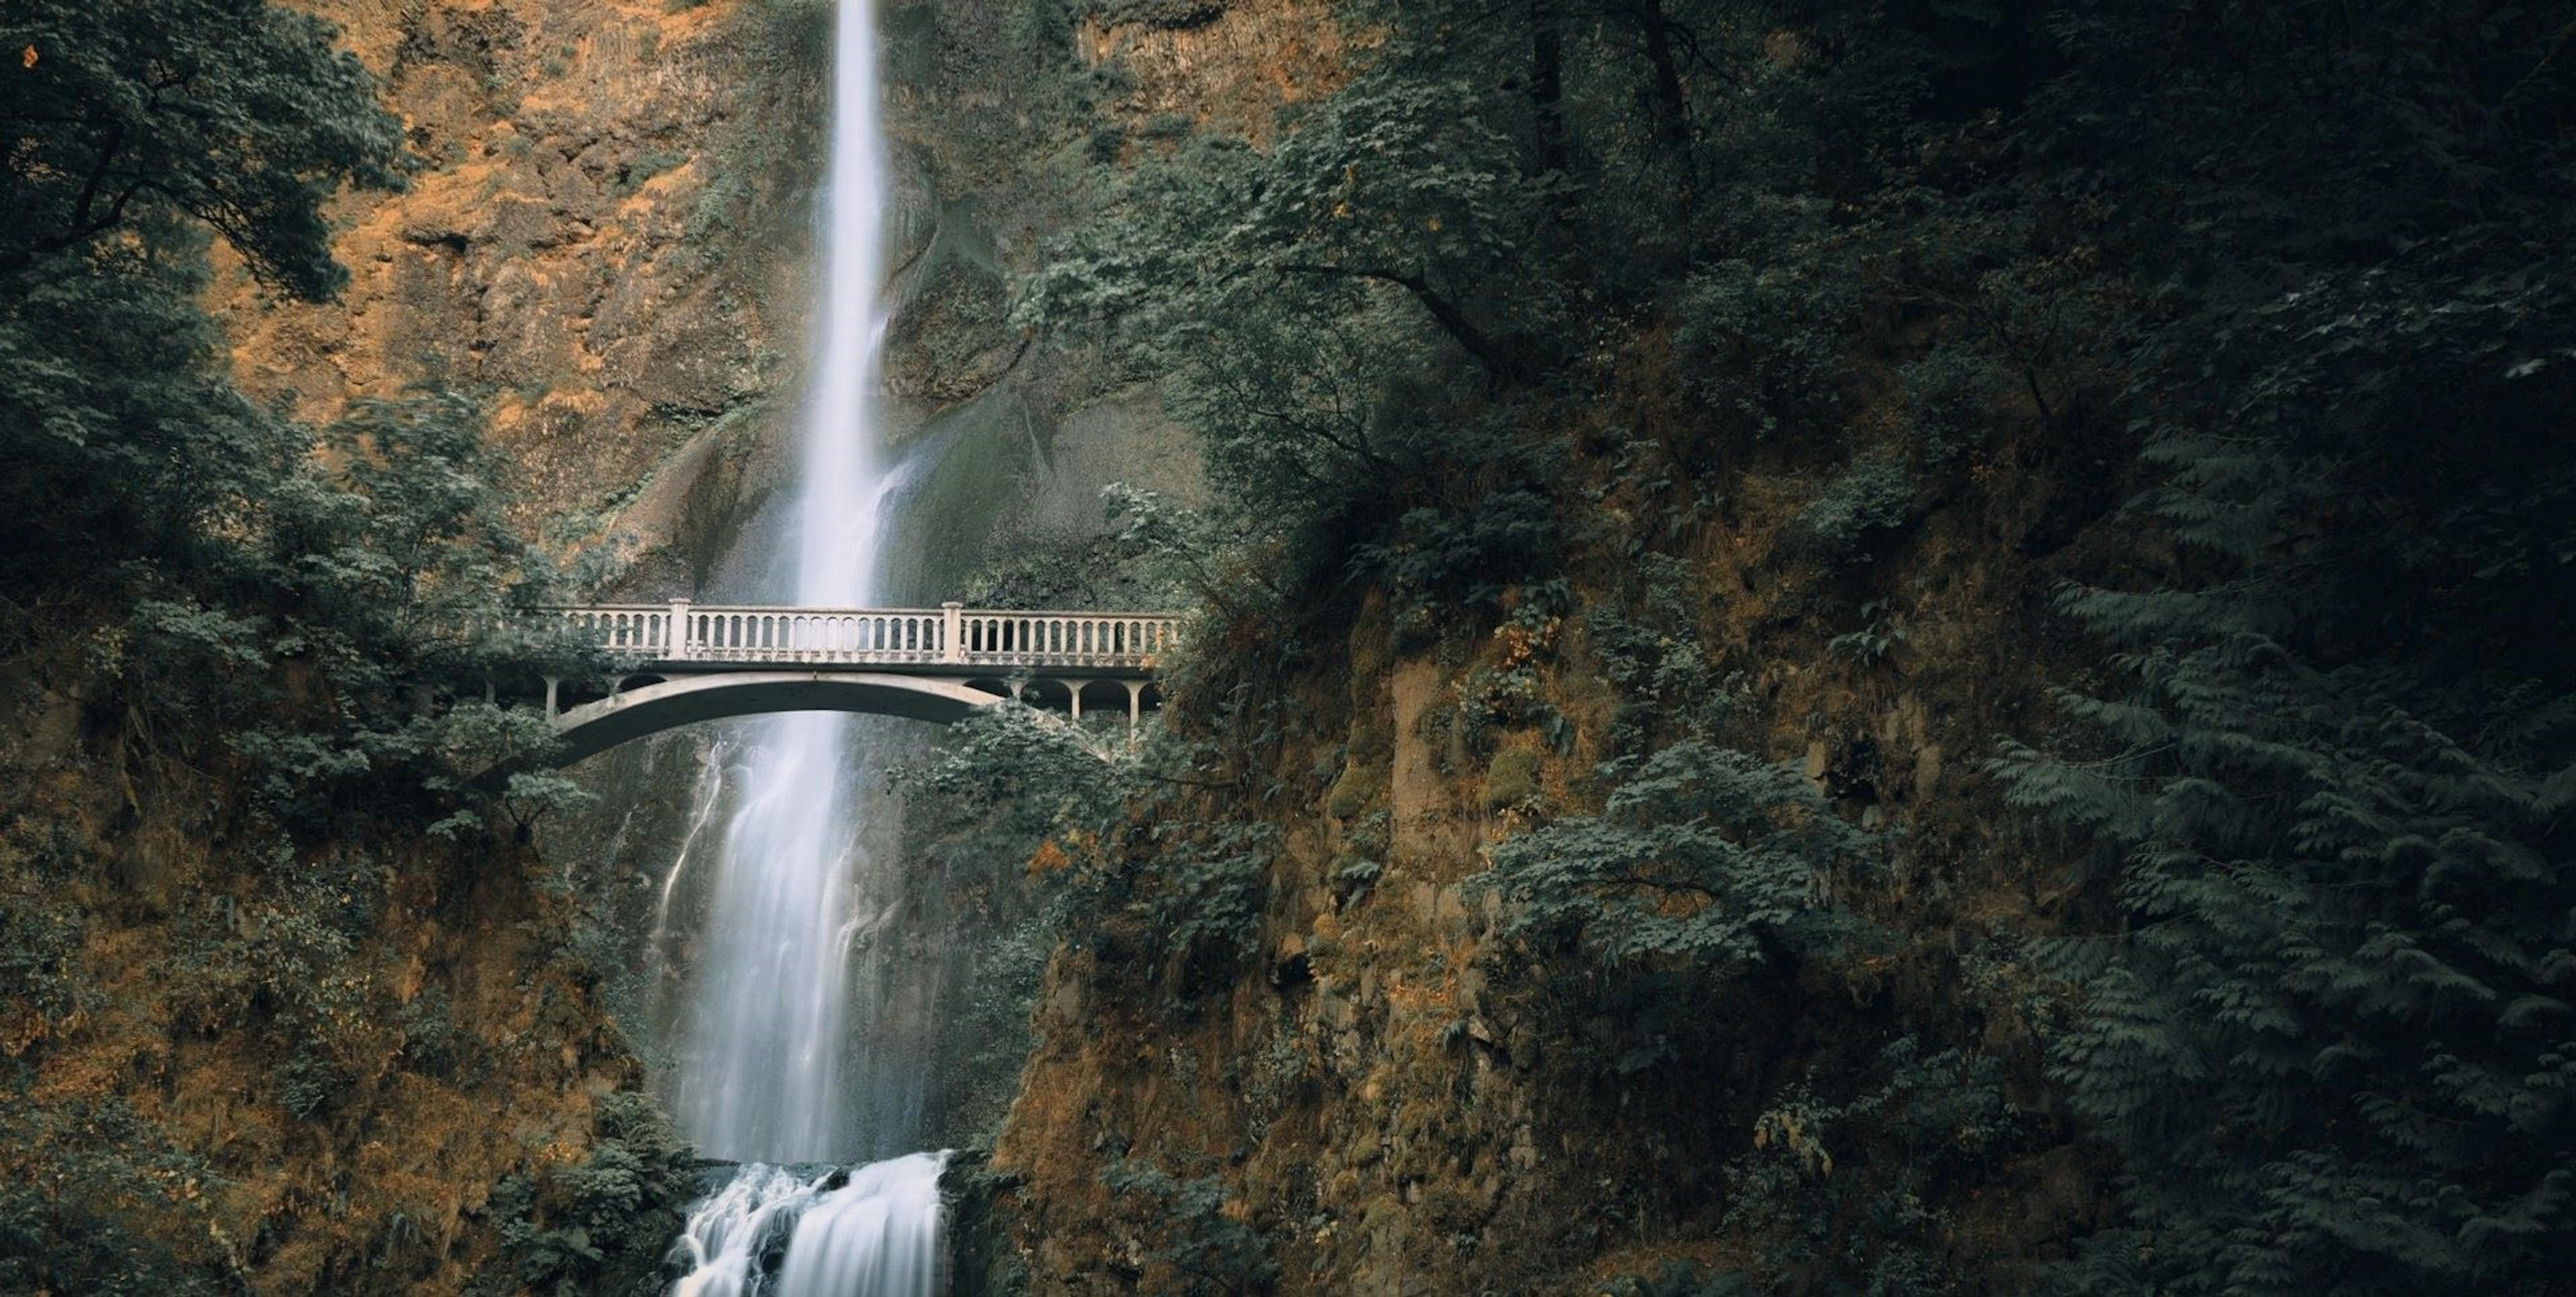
(1135, 704)
(552, 711)
(1074, 688)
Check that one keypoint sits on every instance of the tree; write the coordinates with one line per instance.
(237, 113)
(2325, 1013)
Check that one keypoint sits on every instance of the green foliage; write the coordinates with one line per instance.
(1847, 1189)
(1035, 776)
(1768, 342)
(1203, 1247)
(1202, 890)
(299, 612)
(237, 113)
(1295, 302)
(40, 935)
(2338, 1015)
(1438, 557)
(2327, 1032)
(429, 1031)
(2292, 261)
(1392, 182)
(1950, 392)
(1871, 494)
(1680, 1279)
(309, 1082)
(1652, 655)
(1169, 14)
(1181, 892)
(1877, 638)
(1136, 565)
(602, 1227)
(71, 1224)
(1702, 856)
(48, 1245)
(388, 574)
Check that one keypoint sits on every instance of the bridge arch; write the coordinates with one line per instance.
(631, 714)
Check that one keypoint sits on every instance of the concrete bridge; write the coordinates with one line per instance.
(680, 663)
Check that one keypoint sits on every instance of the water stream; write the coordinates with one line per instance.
(762, 1072)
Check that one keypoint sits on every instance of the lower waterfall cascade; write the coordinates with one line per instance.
(840, 1233)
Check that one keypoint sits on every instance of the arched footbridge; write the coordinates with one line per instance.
(680, 663)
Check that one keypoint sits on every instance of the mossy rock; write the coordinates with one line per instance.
(1512, 779)
(1166, 15)
(1371, 745)
(1359, 784)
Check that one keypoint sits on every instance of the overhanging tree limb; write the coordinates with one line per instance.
(1499, 360)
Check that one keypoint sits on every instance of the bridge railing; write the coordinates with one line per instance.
(681, 631)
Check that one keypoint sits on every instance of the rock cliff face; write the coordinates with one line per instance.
(1383, 1092)
(378, 1062)
(607, 240)
(248, 1067)
(601, 241)
(1384, 1095)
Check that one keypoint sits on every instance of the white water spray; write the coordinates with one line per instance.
(760, 1069)
(857, 1233)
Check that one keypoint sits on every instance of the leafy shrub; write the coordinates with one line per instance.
(1680, 1279)
(1437, 558)
(1200, 1241)
(1652, 655)
(50, 1245)
(1877, 637)
(602, 1227)
(309, 1081)
(1872, 1163)
(39, 940)
(1948, 394)
(100, 1202)
(1166, 14)
(1871, 494)
(429, 1031)
(1702, 855)
(2324, 1013)
(1768, 341)
(1203, 891)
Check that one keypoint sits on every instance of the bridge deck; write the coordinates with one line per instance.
(950, 640)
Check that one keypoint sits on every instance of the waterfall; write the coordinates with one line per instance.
(760, 1066)
(858, 1233)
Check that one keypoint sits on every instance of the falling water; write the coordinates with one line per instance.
(843, 1233)
(760, 1070)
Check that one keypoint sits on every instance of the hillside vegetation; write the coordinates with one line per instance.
(1890, 648)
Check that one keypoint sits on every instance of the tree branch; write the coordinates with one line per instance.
(1498, 360)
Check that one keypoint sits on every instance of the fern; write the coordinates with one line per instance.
(1703, 856)
(2331, 1037)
